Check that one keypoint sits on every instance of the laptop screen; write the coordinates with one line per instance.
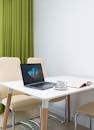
(32, 73)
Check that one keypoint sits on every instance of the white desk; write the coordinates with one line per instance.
(43, 95)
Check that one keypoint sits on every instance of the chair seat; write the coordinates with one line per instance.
(58, 99)
(87, 109)
(22, 102)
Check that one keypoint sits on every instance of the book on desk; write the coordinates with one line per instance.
(79, 84)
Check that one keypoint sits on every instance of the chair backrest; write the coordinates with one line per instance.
(37, 60)
(9, 71)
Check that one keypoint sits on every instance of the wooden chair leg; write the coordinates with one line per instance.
(6, 113)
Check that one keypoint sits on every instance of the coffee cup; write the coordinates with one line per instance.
(61, 85)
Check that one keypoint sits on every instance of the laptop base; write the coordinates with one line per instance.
(42, 86)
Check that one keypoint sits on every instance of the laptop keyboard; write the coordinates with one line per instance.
(43, 86)
(40, 84)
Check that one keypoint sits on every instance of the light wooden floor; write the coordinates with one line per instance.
(55, 125)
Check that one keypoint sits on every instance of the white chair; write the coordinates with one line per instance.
(22, 106)
(40, 60)
(86, 109)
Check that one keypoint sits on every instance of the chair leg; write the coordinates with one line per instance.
(26, 124)
(22, 122)
(13, 120)
(37, 124)
(66, 108)
(57, 118)
(75, 121)
(90, 123)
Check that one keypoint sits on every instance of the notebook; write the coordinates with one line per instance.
(33, 77)
(79, 84)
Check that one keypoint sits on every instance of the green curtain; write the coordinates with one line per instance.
(18, 28)
(1, 26)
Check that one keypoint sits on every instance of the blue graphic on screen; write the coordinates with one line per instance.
(34, 72)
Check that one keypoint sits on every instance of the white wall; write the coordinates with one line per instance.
(64, 37)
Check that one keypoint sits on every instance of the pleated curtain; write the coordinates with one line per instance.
(1, 26)
(18, 28)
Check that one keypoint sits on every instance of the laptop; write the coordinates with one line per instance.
(33, 77)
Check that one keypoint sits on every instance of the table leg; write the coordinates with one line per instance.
(44, 115)
(6, 113)
(68, 99)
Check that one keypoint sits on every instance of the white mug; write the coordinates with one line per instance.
(61, 85)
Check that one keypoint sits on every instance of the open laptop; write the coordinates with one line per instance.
(33, 77)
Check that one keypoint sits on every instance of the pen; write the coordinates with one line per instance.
(83, 85)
